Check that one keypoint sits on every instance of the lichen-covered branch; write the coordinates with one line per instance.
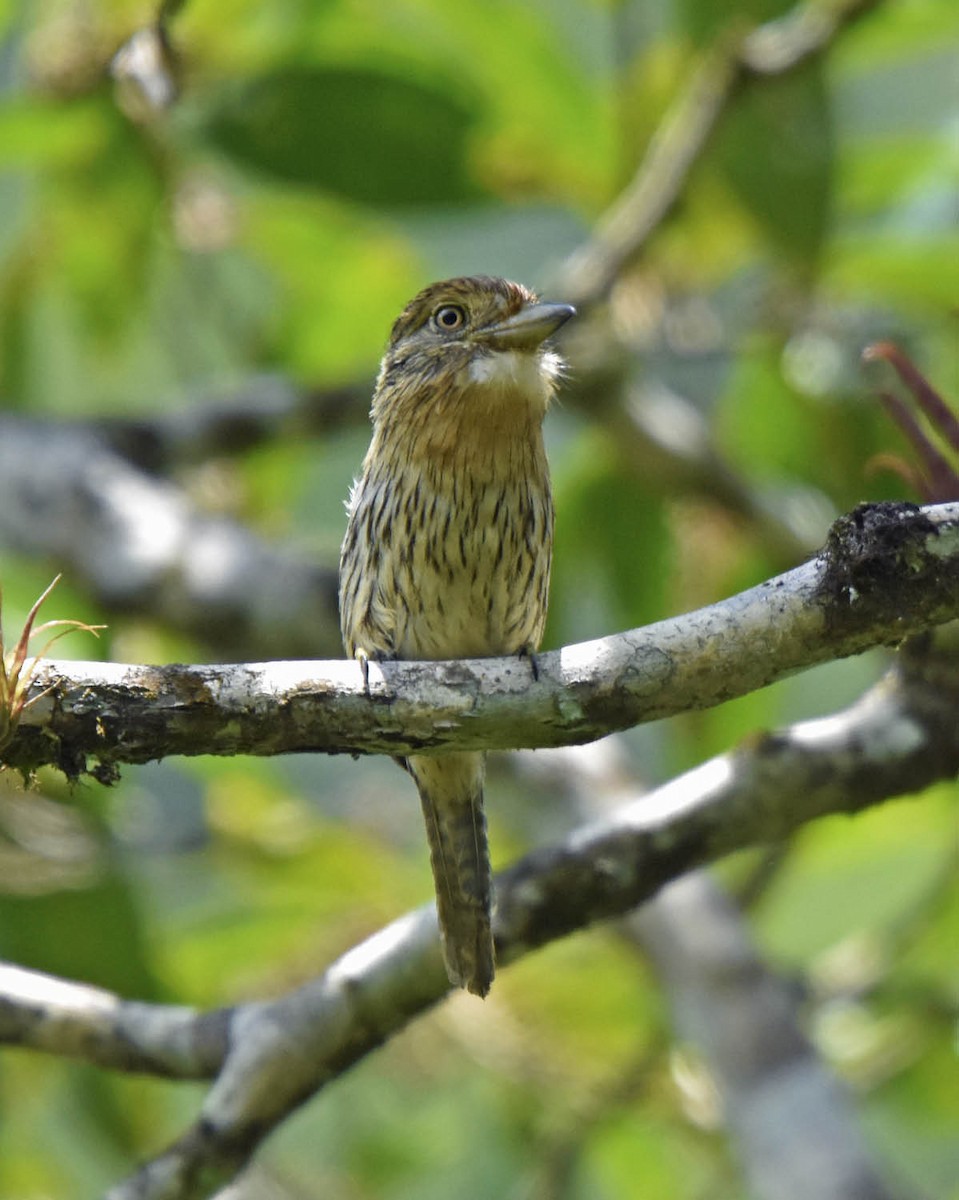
(888, 570)
(269, 1057)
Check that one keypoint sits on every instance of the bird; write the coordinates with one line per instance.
(449, 540)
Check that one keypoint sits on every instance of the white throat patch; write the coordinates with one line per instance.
(517, 370)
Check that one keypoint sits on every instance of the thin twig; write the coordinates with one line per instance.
(684, 133)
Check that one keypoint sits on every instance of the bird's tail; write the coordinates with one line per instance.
(451, 792)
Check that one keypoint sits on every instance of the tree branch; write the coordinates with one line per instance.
(141, 545)
(262, 409)
(793, 1124)
(684, 132)
(74, 1020)
(270, 1057)
(887, 571)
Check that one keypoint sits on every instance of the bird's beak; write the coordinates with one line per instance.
(529, 327)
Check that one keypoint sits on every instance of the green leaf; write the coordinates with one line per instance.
(776, 149)
(358, 132)
(90, 933)
(919, 271)
(42, 133)
(869, 875)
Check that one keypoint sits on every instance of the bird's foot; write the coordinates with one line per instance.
(530, 653)
(364, 660)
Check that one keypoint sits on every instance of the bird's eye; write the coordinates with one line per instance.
(449, 316)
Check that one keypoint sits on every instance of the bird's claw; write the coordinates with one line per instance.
(527, 652)
(364, 660)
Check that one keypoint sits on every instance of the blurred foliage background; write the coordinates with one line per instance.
(323, 161)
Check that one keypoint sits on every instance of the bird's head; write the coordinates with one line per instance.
(470, 351)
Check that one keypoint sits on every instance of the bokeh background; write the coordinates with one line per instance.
(240, 248)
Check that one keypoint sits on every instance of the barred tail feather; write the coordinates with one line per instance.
(451, 793)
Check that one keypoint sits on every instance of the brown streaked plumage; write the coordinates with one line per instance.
(448, 546)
